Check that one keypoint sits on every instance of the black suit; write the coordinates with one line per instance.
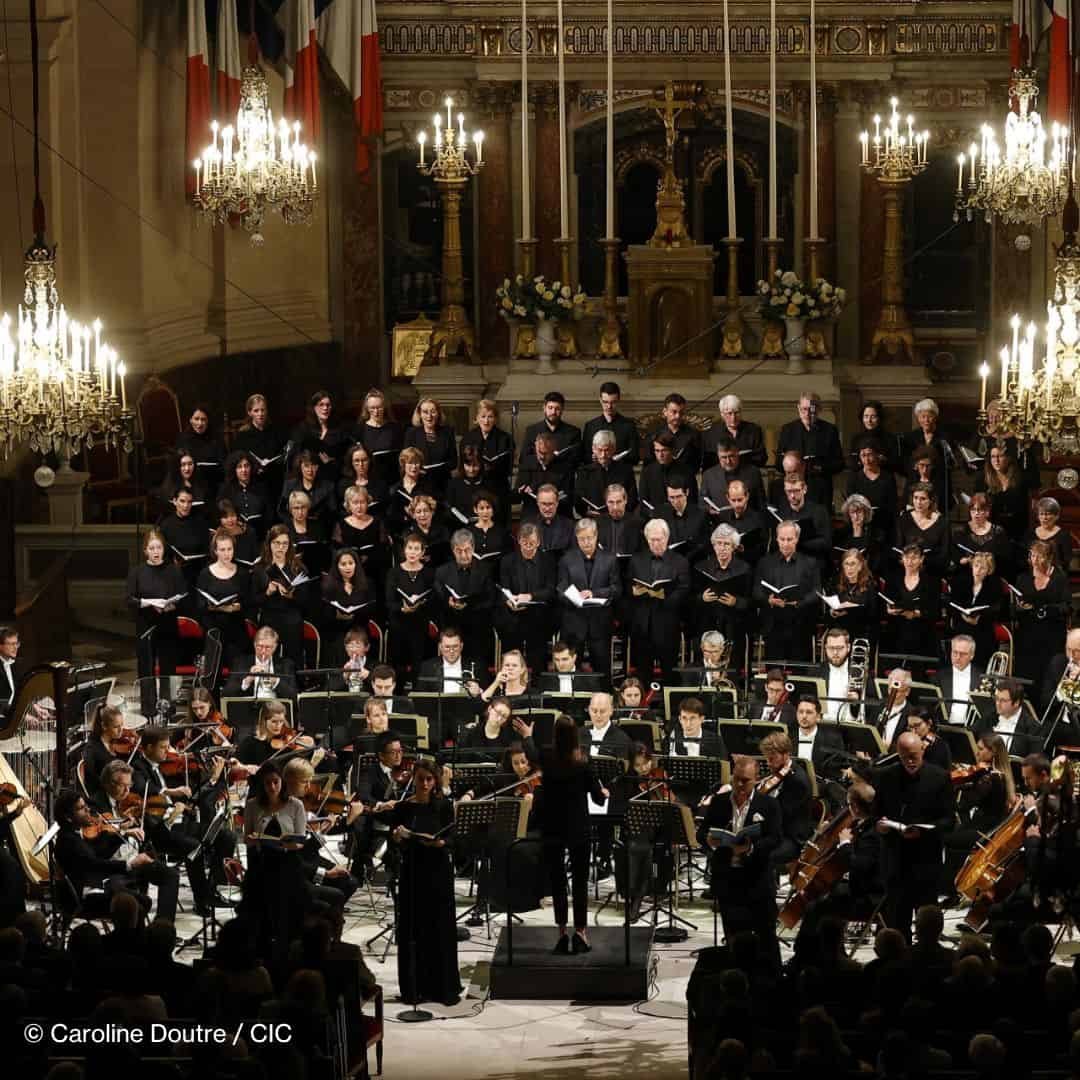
(827, 741)
(591, 624)
(556, 536)
(787, 629)
(793, 798)
(1029, 735)
(9, 683)
(944, 678)
(473, 585)
(615, 743)
(822, 455)
(655, 625)
(711, 744)
(748, 437)
(529, 628)
(911, 868)
(593, 480)
(745, 893)
(430, 677)
(284, 672)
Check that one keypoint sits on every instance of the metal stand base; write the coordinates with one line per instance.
(415, 1016)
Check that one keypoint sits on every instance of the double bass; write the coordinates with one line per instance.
(820, 865)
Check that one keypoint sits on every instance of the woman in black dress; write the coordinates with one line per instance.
(186, 532)
(426, 934)
(154, 588)
(872, 431)
(263, 442)
(221, 593)
(356, 471)
(436, 440)
(569, 780)
(855, 584)
(862, 531)
(278, 590)
(925, 525)
(346, 603)
(307, 475)
(321, 434)
(107, 725)
(977, 586)
(382, 437)
(981, 534)
(490, 540)
(255, 749)
(410, 602)
(463, 488)
(402, 494)
(1042, 612)
(205, 447)
(916, 603)
(877, 485)
(1002, 480)
(309, 537)
(923, 469)
(181, 475)
(245, 539)
(246, 493)
(495, 450)
(1047, 513)
(435, 535)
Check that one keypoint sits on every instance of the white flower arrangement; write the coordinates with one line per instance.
(787, 296)
(538, 299)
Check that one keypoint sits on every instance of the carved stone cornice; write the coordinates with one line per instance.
(495, 100)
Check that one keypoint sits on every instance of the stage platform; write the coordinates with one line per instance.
(599, 975)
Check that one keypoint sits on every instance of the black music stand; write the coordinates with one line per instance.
(662, 820)
(861, 737)
(207, 934)
(695, 775)
(608, 770)
(486, 819)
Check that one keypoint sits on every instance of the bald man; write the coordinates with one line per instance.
(1064, 665)
(913, 810)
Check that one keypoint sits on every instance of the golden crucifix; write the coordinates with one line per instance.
(670, 203)
(669, 108)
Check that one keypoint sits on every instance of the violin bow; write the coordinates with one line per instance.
(509, 787)
(138, 743)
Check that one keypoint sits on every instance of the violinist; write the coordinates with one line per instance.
(1041, 851)
(788, 784)
(981, 805)
(924, 724)
(520, 762)
(271, 727)
(122, 843)
(205, 717)
(106, 738)
(179, 837)
(690, 739)
(327, 883)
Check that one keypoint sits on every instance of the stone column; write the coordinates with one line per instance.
(846, 262)
(547, 225)
(1012, 280)
(871, 231)
(360, 274)
(826, 127)
(493, 199)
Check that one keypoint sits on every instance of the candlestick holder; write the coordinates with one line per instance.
(610, 347)
(527, 247)
(565, 333)
(734, 325)
(773, 247)
(895, 159)
(451, 169)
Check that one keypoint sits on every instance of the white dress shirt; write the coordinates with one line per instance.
(7, 685)
(452, 676)
(892, 724)
(1006, 728)
(597, 736)
(961, 691)
(805, 746)
(837, 688)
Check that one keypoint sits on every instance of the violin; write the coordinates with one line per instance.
(178, 764)
(8, 794)
(100, 825)
(126, 743)
(330, 803)
(647, 785)
(153, 808)
(961, 775)
(289, 738)
(770, 783)
(529, 785)
(220, 734)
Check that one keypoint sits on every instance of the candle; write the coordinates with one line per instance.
(730, 141)
(864, 142)
(877, 128)
(526, 195)
(609, 149)
(984, 371)
(123, 387)
(564, 198)
(960, 174)
(311, 158)
(449, 118)
(198, 171)
(772, 120)
(112, 373)
(1050, 366)
(478, 139)
(421, 139)
(438, 131)
(813, 127)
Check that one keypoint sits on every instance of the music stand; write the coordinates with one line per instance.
(743, 736)
(329, 712)
(209, 921)
(960, 741)
(664, 822)
(861, 737)
(608, 769)
(697, 776)
(488, 819)
(474, 776)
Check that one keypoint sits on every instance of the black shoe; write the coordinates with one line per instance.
(580, 945)
(225, 901)
(562, 947)
(450, 1002)
(635, 908)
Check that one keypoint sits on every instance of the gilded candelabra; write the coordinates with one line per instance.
(451, 169)
(895, 158)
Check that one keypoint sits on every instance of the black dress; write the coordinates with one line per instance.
(157, 637)
(372, 547)
(995, 542)
(934, 541)
(323, 498)
(863, 621)
(251, 503)
(410, 643)
(491, 545)
(188, 539)
(915, 637)
(312, 546)
(333, 444)
(961, 593)
(1061, 541)
(336, 619)
(426, 934)
(266, 445)
(1038, 632)
(440, 454)
(284, 614)
(383, 443)
(211, 591)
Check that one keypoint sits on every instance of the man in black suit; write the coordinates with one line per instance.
(687, 524)
(524, 618)
(790, 606)
(789, 784)
(263, 675)
(659, 472)
(689, 738)
(376, 785)
(600, 737)
(593, 480)
(815, 526)
(12, 669)
(815, 742)
(909, 794)
(556, 530)
(819, 443)
(753, 526)
(835, 672)
(892, 721)
(384, 685)
(610, 419)
(741, 881)
(960, 678)
(449, 672)
(747, 436)
(567, 678)
(659, 582)
(544, 469)
(1015, 721)
(730, 468)
(566, 438)
(595, 576)
(687, 439)
(466, 592)
(777, 708)
(619, 529)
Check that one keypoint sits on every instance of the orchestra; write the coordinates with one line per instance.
(842, 647)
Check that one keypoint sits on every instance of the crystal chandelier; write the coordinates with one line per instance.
(1026, 182)
(892, 154)
(255, 166)
(1043, 405)
(58, 378)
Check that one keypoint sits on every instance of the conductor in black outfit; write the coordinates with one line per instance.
(741, 881)
(564, 818)
(912, 793)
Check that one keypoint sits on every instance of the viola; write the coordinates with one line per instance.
(156, 806)
(8, 794)
(318, 801)
(960, 775)
(178, 764)
(648, 785)
(220, 734)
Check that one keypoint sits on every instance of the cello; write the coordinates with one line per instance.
(820, 865)
(995, 866)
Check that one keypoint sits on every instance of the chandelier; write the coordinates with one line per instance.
(1043, 405)
(1026, 182)
(256, 166)
(58, 378)
(892, 154)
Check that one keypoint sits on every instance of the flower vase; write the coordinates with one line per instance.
(795, 345)
(547, 345)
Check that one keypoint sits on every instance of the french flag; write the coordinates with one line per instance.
(198, 89)
(349, 37)
(1057, 97)
(1018, 43)
(302, 69)
(228, 61)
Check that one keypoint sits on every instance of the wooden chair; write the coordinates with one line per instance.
(158, 413)
(191, 638)
(377, 640)
(110, 481)
(312, 639)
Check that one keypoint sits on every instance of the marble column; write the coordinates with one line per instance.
(494, 201)
(846, 243)
(360, 277)
(871, 243)
(547, 224)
